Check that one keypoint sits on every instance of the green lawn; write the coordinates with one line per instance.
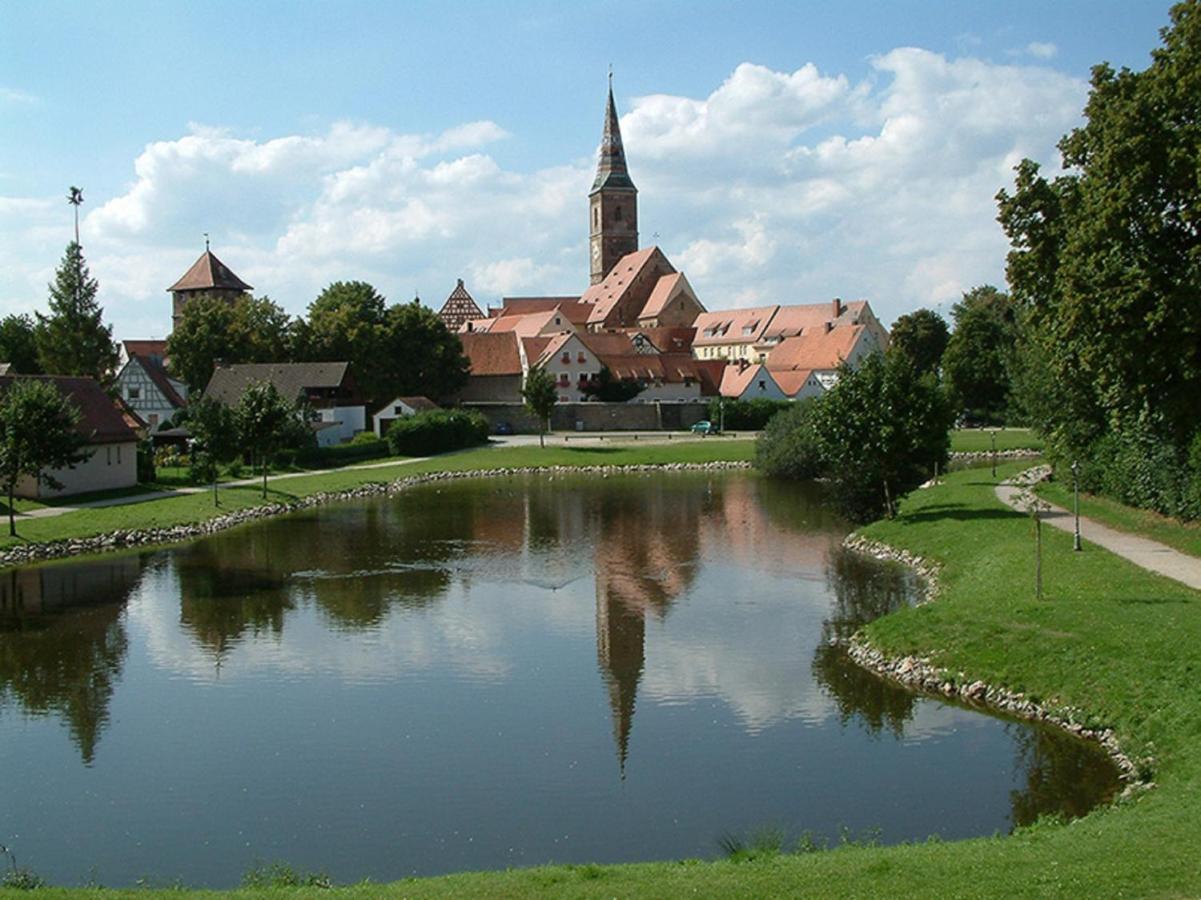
(968, 440)
(198, 507)
(1108, 638)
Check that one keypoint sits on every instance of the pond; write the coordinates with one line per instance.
(481, 674)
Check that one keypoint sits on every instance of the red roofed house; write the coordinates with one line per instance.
(821, 352)
(112, 443)
(748, 381)
(497, 369)
(208, 275)
(751, 334)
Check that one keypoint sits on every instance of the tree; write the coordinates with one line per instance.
(608, 389)
(1105, 264)
(38, 431)
(214, 429)
(18, 344)
(211, 328)
(874, 436)
(921, 336)
(419, 356)
(268, 423)
(73, 339)
(347, 322)
(540, 396)
(979, 356)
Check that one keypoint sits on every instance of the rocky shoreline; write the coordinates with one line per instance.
(919, 673)
(987, 455)
(173, 534)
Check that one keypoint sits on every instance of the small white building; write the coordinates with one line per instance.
(112, 443)
(398, 408)
(747, 381)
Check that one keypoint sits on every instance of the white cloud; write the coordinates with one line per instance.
(16, 96)
(776, 186)
(1041, 50)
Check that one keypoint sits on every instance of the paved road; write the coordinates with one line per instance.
(1148, 554)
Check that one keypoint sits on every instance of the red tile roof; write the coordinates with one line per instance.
(153, 367)
(209, 273)
(101, 421)
(608, 293)
(492, 354)
(791, 380)
(145, 348)
(728, 326)
(576, 312)
(815, 350)
(663, 292)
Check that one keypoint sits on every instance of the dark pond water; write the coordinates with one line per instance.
(479, 675)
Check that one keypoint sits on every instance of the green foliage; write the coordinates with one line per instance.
(1105, 267)
(250, 330)
(745, 415)
(540, 396)
(38, 431)
(922, 337)
(364, 446)
(437, 431)
(73, 339)
(18, 344)
(978, 360)
(607, 389)
(269, 424)
(214, 428)
(145, 461)
(874, 436)
(282, 875)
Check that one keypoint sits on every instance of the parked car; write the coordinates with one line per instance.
(503, 428)
(705, 427)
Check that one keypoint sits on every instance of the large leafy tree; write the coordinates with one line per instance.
(922, 337)
(18, 344)
(1105, 263)
(38, 432)
(73, 339)
(540, 395)
(251, 329)
(978, 360)
(420, 356)
(347, 322)
(874, 436)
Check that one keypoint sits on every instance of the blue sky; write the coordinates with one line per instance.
(410, 144)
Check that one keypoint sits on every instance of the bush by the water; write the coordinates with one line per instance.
(746, 415)
(873, 437)
(437, 431)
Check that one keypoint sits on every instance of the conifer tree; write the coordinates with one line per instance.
(73, 339)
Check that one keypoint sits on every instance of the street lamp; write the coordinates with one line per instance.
(1076, 503)
(993, 434)
(721, 414)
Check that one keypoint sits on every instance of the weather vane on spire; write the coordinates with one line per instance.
(610, 76)
(206, 242)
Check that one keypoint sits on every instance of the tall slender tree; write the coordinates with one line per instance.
(540, 395)
(73, 339)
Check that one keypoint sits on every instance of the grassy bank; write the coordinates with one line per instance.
(1184, 536)
(1109, 638)
(976, 440)
(189, 508)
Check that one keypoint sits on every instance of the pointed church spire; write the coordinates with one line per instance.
(611, 169)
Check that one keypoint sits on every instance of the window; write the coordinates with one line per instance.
(133, 393)
(153, 417)
(118, 454)
(763, 385)
(616, 214)
(398, 410)
(108, 453)
(566, 358)
(580, 359)
(563, 379)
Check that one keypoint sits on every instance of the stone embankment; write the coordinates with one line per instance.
(987, 455)
(173, 534)
(920, 673)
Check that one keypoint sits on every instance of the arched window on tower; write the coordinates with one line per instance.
(596, 218)
(617, 214)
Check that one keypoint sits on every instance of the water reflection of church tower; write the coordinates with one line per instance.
(646, 553)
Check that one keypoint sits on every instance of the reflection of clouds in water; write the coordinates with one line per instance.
(464, 636)
(934, 719)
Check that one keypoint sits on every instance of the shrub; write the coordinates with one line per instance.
(437, 431)
(343, 454)
(746, 415)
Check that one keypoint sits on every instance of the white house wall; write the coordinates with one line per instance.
(109, 467)
(351, 420)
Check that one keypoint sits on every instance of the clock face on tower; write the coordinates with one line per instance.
(596, 252)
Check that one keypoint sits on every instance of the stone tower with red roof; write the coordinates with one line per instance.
(612, 202)
(208, 275)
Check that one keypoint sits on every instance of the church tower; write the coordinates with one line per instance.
(612, 202)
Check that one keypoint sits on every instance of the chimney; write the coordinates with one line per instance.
(742, 364)
(829, 324)
(837, 307)
(460, 282)
(470, 325)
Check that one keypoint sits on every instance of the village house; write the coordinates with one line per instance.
(750, 381)
(497, 368)
(111, 442)
(752, 333)
(459, 309)
(145, 386)
(398, 408)
(820, 352)
(328, 388)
